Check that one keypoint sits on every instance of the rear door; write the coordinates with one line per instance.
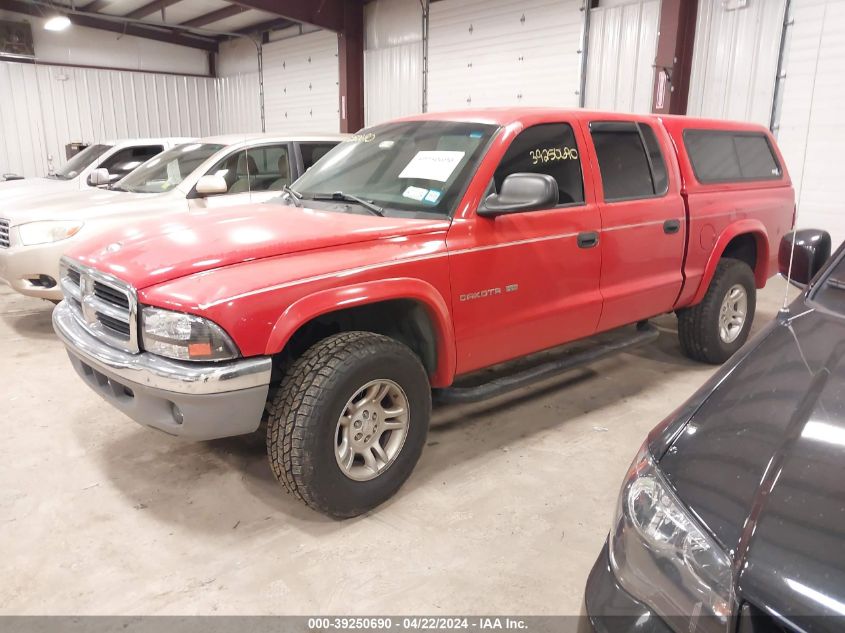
(643, 221)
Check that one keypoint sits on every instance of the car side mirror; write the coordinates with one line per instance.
(99, 177)
(812, 250)
(521, 192)
(211, 185)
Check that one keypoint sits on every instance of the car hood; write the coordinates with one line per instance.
(158, 250)
(762, 463)
(20, 189)
(82, 205)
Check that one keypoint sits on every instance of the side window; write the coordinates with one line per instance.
(655, 159)
(128, 159)
(725, 156)
(550, 149)
(312, 152)
(625, 165)
(262, 168)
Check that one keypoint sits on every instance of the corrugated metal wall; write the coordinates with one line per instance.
(620, 63)
(238, 104)
(810, 130)
(392, 59)
(45, 107)
(500, 53)
(735, 60)
(301, 84)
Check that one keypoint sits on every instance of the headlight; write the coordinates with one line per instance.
(48, 231)
(662, 556)
(185, 336)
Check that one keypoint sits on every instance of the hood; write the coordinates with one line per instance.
(80, 205)
(18, 189)
(762, 463)
(201, 240)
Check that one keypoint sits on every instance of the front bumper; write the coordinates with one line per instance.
(201, 401)
(610, 609)
(22, 267)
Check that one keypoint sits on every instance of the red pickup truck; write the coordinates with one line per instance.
(412, 255)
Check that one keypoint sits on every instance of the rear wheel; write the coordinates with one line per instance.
(716, 328)
(348, 423)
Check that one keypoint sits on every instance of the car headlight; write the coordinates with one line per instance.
(185, 336)
(662, 556)
(46, 231)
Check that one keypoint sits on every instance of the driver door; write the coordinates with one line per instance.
(527, 281)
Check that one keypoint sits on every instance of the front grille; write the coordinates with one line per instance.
(102, 303)
(4, 233)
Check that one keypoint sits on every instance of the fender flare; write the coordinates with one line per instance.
(322, 302)
(740, 227)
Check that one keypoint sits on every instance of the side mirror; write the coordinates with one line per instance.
(99, 177)
(812, 250)
(211, 186)
(521, 192)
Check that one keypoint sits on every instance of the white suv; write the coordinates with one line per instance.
(196, 177)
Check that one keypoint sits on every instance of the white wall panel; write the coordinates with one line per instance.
(735, 60)
(500, 53)
(45, 107)
(238, 103)
(620, 61)
(810, 130)
(392, 59)
(301, 84)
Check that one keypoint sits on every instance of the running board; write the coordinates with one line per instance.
(645, 333)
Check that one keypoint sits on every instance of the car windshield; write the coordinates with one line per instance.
(168, 169)
(417, 166)
(830, 291)
(79, 162)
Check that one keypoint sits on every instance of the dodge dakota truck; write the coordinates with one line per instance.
(411, 256)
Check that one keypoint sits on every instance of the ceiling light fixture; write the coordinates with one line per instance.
(57, 23)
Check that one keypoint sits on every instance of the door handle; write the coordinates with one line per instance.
(671, 226)
(588, 239)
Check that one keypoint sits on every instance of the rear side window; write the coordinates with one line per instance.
(630, 160)
(549, 148)
(312, 152)
(123, 161)
(722, 156)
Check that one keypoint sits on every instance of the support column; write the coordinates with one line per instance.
(350, 49)
(673, 62)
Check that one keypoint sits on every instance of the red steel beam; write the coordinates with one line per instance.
(326, 14)
(149, 9)
(350, 49)
(673, 61)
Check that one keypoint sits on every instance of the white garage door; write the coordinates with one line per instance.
(620, 64)
(301, 84)
(485, 53)
(810, 130)
(735, 59)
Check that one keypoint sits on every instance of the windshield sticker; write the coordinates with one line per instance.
(386, 144)
(362, 138)
(432, 197)
(552, 154)
(476, 134)
(415, 193)
(432, 165)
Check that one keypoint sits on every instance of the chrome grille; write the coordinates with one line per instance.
(4, 233)
(103, 304)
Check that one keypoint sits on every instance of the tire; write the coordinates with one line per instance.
(304, 428)
(699, 327)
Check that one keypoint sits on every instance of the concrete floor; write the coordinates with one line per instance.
(505, 512)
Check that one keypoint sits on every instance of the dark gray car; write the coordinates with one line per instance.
(732, 516)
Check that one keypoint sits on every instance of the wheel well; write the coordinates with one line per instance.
(744, 248)
(404, 320)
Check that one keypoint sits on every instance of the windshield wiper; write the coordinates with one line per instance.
(339, 196)
(293, 194)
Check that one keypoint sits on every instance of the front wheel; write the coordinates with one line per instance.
(716, 328)
(348, 423)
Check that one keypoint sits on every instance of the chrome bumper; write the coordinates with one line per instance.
(197, 400)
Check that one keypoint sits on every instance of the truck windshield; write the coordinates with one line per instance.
(417, 166)
(830, 291)
(79, 162)
(168, 169)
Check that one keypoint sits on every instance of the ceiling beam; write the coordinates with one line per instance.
(214, 16)
(327, 14)
(148, 9)
(95, 6)
(262, 27)
(115, 25)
